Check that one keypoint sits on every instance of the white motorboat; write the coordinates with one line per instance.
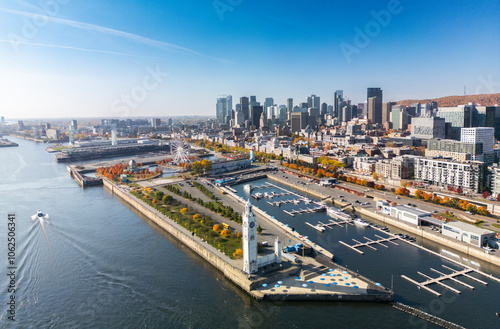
(40, 216)
(337, 213)
(257, 196)
(296, 201)
(361, 222)
(248, 188)
(307, 200)
(318, 227)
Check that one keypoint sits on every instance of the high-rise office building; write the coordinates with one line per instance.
(268, 102)
(229, 103)
(386, 111)
(239, 118)
(374, 112)
(289, 104)
(374, 92)
(399, 117)
(256, 113)
(313, 117)
(316, 102)
(338, 99)
(245, 107)
(155, 122)
(469, 116)
(309, 102)
(253, 101)
(299, 121)
(324, 109)
(484, 135)
(221, 109)
(74, 124)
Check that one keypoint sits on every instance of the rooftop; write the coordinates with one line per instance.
(413, 210)
(468, 227)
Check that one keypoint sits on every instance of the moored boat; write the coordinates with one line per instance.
(257, 196)
(361, 222)
(337, 213)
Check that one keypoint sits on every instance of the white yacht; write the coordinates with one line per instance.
(337, 213)
(248, 188)
(361, 222)
(257, 196)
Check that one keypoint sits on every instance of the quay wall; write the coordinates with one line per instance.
(232, 273)
(82, 181)
(303, 189)
(432, 236)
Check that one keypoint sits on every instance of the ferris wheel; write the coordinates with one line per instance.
(179, 148)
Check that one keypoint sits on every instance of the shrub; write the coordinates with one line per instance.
(216, 227)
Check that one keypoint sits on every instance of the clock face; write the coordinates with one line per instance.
(252, 224)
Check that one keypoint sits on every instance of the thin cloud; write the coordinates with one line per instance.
(118, 33)
(75, 48)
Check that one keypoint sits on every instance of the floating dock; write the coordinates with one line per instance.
(442, 277)
(370, 242)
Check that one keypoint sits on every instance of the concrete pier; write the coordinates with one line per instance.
(288, 284)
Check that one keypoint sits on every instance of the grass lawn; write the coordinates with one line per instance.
(203, 226)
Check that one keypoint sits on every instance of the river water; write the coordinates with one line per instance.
(97, 263)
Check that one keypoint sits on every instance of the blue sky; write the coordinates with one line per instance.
(162, 58)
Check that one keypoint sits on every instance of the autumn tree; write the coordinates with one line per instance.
(419, 194)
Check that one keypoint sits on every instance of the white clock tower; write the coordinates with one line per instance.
(250, 264)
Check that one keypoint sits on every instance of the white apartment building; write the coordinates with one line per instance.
(485, 135)
(444, 172)
(364, 165)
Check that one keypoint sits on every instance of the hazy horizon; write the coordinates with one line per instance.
(130, 59)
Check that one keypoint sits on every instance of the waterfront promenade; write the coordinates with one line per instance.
(292, 282)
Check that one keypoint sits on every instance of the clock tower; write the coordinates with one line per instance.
(250, 264)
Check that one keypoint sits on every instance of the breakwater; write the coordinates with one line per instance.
(426, 316)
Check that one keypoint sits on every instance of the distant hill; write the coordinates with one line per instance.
(483, 99)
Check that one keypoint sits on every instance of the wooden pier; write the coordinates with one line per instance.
(318, 227)
(370, 242)
(442, 277)
(333, 223)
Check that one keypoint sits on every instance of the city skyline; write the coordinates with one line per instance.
(124, 59)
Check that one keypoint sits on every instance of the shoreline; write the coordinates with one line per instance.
(252, 284)
(418, 231)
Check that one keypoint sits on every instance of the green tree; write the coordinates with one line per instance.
(158, 195)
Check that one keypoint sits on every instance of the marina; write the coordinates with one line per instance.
(442, 276)
(370, 243)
